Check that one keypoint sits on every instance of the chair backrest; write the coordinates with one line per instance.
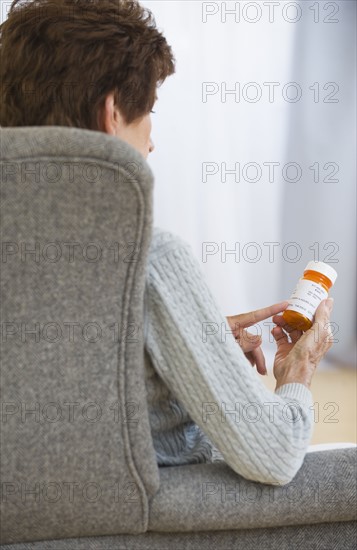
(77, 455)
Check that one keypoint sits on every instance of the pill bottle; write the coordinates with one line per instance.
(311, 289)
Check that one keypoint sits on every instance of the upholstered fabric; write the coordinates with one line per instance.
(76, 227)
(206, 497)
(79, 471)
(322, 536)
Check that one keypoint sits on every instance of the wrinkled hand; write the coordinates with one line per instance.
(250, 343)
(305, 350)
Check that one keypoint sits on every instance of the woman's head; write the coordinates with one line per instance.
(93, 64)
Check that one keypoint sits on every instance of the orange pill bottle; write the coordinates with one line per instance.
(311, 289)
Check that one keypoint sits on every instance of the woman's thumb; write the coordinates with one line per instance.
(324, 310)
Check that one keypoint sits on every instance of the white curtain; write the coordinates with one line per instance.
(322, 134)
(270, 211)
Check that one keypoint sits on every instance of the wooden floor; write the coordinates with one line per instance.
(335, 394)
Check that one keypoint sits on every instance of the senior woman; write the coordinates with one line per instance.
(97, 65)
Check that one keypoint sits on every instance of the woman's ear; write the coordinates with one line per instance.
(110, 116)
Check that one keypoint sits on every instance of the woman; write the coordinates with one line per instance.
(97, 65)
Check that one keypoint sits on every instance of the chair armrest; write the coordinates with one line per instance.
(207, 497)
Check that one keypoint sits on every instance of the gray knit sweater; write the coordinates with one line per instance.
(205, 400)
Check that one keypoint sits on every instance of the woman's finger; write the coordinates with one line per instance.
(259, 360)
(294, 333)
(250, 358)
(319, 335)
(318, 339)
(245, 320)
(279, 320)
(280, 337)
(248, 341)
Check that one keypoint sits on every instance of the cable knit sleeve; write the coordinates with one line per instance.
(262, 435)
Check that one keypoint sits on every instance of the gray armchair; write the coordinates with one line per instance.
(78, 468)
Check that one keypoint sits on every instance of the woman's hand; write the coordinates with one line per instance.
(250, 343)
(297, 360)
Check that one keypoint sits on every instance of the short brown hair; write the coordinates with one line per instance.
(60, 59)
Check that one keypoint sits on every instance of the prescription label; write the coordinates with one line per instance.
(306, 298)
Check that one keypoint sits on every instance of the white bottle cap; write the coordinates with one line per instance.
(323, 268)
